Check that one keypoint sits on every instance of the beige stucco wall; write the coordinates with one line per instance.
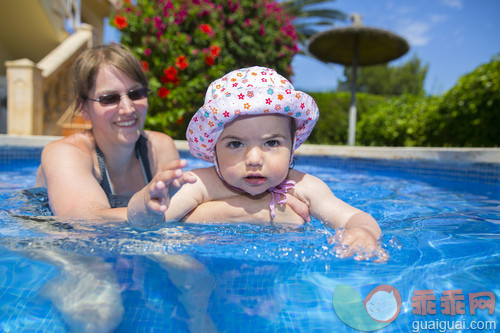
(31, 33)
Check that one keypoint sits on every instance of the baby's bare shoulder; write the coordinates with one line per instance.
(303, 179)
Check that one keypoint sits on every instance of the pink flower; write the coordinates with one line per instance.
(167, 6)
(158, 23)
(232, 5)
(180, 16)
(262, 30)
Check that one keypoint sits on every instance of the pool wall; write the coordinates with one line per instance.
(464, 164)
(472, 155)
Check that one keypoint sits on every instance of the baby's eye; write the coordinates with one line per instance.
(234, 144)
(272, 143)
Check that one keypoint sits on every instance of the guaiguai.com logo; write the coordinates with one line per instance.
(436, 313)
(379, 309)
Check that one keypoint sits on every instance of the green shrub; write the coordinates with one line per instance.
(332, 126)
(469, 113)
(398, 121)
(186, 44)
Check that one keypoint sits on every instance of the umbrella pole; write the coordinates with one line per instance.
(352, 108)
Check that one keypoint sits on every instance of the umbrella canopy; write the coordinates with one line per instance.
(357, 46)
(375, 46)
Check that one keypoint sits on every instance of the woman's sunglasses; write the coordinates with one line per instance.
(112, 99)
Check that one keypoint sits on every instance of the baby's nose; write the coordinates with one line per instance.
(254, 156)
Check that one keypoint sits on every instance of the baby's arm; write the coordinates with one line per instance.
(151, 209)
(207, 188)
(360, 228)
(187, 198)
(147, 207)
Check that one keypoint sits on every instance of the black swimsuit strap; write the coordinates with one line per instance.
(106, 186)
(141, 150)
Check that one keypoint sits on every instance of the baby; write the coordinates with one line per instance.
(252, 122)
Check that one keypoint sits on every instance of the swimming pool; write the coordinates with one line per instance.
(441, 224)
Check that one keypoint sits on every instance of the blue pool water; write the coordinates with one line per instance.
(440, 225)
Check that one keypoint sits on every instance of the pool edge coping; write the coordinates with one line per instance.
(473, 155)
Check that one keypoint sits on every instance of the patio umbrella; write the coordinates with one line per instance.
(355, 46)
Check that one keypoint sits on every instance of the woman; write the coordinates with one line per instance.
(94, 173)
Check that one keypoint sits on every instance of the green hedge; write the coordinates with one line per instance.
(468, 115)
(334, 115)
(399, 121)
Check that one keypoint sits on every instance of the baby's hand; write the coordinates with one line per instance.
(147, 207)
(165, 183)
(360, 242)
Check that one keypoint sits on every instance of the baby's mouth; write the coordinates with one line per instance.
(255, 179)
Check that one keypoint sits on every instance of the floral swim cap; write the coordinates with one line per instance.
(248, 91)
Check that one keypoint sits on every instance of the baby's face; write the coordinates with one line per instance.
(253, 152)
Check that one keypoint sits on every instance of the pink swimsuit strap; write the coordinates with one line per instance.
(278, 194)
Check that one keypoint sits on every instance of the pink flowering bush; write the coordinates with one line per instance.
(184, 45)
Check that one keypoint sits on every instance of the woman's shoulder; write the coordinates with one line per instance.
(155, 137)
(160, 143)
(161, 150)
(73, 150)
(76, 143)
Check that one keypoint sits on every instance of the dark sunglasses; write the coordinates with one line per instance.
(111, 99)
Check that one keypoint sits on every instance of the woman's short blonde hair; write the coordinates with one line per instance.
(87, 66)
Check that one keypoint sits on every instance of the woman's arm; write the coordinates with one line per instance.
(73, 190)
(68, 170)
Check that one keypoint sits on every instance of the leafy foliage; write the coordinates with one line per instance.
(389, 81)
(334, 115)
(186, 44)
(469, 113)
(398, 121)
(311, 16)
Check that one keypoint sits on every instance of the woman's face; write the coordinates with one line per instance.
(253, 152)
(120, 122)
